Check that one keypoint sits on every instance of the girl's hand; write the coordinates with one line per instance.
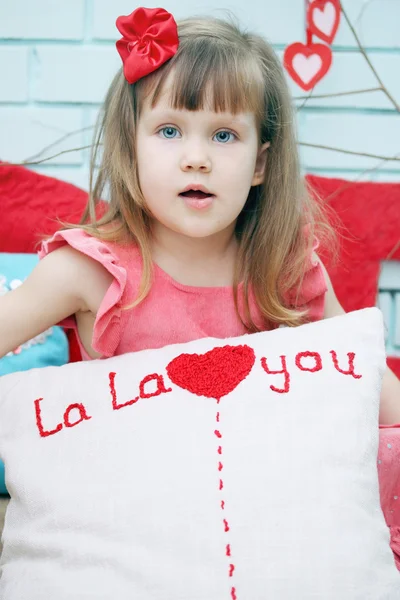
(389, 413)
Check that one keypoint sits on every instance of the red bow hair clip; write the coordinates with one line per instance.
(150, 38)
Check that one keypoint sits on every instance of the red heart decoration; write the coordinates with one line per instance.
(323, 18)
(213, 374)
(307, 64)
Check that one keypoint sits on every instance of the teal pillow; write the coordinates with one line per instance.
(48, 348)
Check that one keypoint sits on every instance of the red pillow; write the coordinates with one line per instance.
(369, 214)
(30, 205)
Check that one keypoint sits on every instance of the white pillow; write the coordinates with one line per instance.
(126, 485)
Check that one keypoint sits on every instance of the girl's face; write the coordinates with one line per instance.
(182, 149)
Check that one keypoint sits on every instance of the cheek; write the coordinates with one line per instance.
(148, 162)
(242, 164)
(152, 159)
(241, 175)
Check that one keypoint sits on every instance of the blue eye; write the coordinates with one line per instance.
(168, 131)
(225, 135)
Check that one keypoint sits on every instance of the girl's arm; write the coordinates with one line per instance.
(389, 413)
(63, 283)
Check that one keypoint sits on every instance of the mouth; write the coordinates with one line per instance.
(197, 199)
(196, 195)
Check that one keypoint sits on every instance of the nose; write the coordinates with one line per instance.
(195, 157)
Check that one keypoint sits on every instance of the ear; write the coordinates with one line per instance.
(261, 164)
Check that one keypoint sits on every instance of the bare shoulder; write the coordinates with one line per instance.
(332, 307)
(86, 278)
(65, 282)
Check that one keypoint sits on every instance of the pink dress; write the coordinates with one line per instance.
(174, 313)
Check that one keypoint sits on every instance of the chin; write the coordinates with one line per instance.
(200, 232)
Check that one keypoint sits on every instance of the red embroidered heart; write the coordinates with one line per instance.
(323, 18)
(307, 64)
(213, 374)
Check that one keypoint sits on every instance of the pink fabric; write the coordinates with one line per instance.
(389, 480)
(174, 313)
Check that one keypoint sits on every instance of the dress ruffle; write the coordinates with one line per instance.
(107, 330)
(107, 326)
(389, 482)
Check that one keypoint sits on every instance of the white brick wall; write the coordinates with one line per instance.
(74, 74)
(42, 19)
(381, 136)
(377, 23)
(14, 74)
(57, 59)
(264, 16)
(25, 132)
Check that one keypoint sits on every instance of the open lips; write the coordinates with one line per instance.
(197, 192)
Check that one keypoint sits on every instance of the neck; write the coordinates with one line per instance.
(200, 262)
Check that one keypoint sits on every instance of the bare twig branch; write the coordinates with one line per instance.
(343, 151)
(363, 52)
(38, 162)
(306, 99)
(58, 141)
(351, 182)
(375, 89)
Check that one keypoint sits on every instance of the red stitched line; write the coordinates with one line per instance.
(225, 522)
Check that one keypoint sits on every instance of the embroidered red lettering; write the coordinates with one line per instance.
(350, 371)
(115, 404)
(313, 355)
(161, 389)
(284, 372)
(39, 422)
(82, 415)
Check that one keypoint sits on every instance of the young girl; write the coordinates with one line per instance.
(209, 230)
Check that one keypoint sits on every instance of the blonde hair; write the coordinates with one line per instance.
(244, 75)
